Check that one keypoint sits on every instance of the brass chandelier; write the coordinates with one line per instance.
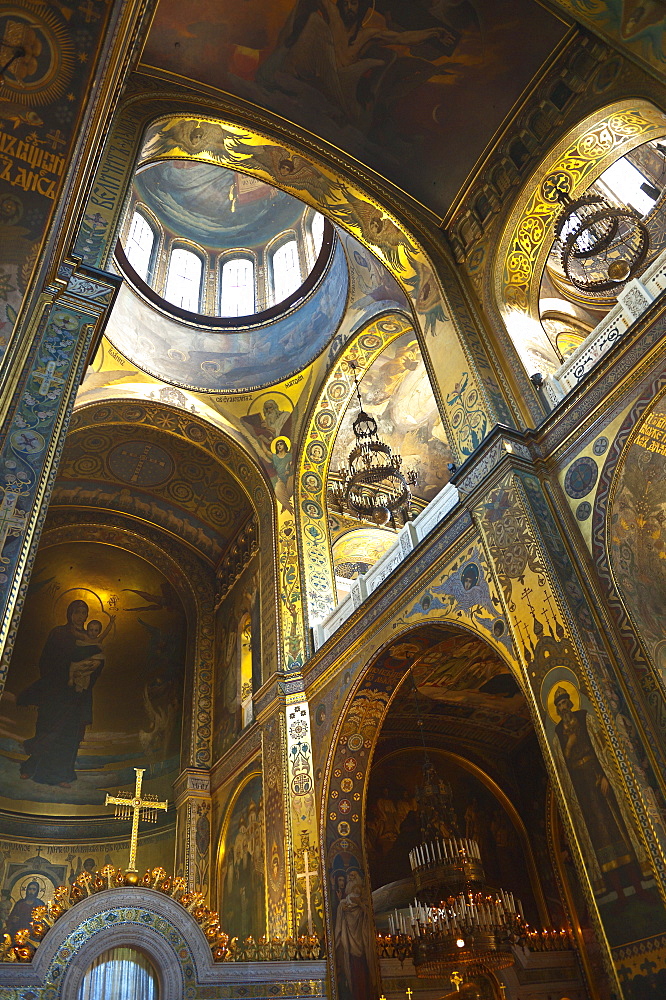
(457, 923)
(373, 487)
(601, 245)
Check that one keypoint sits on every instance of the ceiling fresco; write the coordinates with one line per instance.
(155, 477)
(216, 207)
(396, 391)
(405, 87)
(465, 692)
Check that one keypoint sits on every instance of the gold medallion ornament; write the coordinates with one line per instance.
(36, 52)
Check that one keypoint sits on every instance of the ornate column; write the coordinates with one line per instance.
(69, 316)
(193, 805)
(294, 889)
(592, 745)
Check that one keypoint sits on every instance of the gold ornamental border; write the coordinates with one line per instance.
(574, 163)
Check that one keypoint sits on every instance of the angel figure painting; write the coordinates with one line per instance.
(95, 683)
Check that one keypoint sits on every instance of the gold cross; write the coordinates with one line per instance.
(456, 979)
(409, 992)
(307, 875)
(130, 804)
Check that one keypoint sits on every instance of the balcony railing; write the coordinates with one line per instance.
(405, 541)
(634, 299)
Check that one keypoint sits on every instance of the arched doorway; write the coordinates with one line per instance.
(478, 726)
(120, 972)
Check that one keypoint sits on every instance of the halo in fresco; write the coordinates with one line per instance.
(95, 683)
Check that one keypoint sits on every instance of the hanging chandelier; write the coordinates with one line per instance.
(456, 922)
(373, 487)
(601, 245)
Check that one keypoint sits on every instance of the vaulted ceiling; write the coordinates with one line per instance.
(414, 90)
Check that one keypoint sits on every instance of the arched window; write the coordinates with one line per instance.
(317, 229)
(237, 288)
(120, 972)
(245, 637)
(140, 245)
(183, 284)
(286, 268)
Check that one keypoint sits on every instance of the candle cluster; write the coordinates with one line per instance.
(441, 851)
(465, 914)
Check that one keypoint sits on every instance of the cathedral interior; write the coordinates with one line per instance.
(336, 329)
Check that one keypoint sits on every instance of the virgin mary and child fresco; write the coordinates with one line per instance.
(71, 661)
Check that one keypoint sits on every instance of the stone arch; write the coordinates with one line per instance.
(405, 239)
(352, 749)
(222, 449)
(572, 164)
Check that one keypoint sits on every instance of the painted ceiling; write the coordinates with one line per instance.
(396, 392)
(466, 693)
(216, 207)
(414, 90)
(216, 360)
(156, 477)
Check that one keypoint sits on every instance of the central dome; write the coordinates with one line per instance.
(210, 244)
(218, 209)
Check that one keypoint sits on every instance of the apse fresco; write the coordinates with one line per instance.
(95, 682)
(402, 86)
(637, 532)
(393, 824)
(242, 876)
(396, 391)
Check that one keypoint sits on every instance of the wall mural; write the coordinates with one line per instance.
(396, 391)
(393, 825)
(637, 532)
(242, 874)
(243, 598)
(355, 552)
(41, 99)
(95, 683)
(395, 85)
(29, 875)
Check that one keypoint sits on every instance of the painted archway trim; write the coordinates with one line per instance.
(242, 467)
(571, 166)
(159, 926)
(318, 440)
